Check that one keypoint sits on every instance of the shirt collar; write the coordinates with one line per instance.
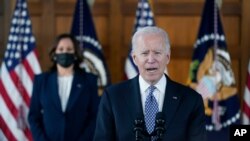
(160, 85)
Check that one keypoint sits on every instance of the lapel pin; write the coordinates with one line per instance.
(174, 97)
(78, 85)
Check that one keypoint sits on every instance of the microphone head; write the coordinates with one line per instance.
(139, 121)
(138, 129)
(160, 125)
(160, 118)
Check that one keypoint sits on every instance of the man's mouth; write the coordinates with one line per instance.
(151, 69)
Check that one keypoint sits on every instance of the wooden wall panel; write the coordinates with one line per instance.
(178, 69)
(2, 24)
(182, 30)
(231, 25)
(65, 0)
(244, 43)
(235, 66)
(63, 24)
(192, 1)
(101, 26)
(1, 35)
(35, 13)
(87, 0)
(172, 1)
(37, 32)
(128, 27)
(128, 24)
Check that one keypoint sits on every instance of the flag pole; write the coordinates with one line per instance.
(215, 31)
(19, 38)
(81, 24)
(215, 114)
(21, 122)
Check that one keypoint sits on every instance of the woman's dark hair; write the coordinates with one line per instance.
(78, 51)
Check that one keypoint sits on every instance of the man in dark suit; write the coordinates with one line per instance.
(149, 93)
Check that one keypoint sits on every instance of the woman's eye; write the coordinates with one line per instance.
(70, 49)
(60, 49)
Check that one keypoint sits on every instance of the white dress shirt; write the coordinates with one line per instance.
(64, 86)
(159, 92)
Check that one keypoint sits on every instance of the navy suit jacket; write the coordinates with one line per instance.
(121, 104)
(47, 120)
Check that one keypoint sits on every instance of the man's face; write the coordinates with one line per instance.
(151, 57)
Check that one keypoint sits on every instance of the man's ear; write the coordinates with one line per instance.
(134, 58)
(168, 58)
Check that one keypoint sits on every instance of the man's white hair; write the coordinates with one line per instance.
(150, 30)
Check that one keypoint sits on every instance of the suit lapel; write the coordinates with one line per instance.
(53, 84)
(133, 99)
(76, 88)
(171, 101)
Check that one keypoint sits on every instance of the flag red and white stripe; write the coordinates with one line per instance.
(18, 68)
(246, 100)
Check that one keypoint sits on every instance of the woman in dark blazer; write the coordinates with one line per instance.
(65, 99)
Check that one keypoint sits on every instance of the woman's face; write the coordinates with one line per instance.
(65, 53)
(65, 45)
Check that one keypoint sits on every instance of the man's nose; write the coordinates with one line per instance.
(151, 57)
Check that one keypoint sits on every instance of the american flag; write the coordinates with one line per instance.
(144, 17)
(18, 68)
(246, 100)
(84, 30)
(212, 76)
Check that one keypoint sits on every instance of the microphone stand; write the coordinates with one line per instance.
(160, 126)
(138, 129)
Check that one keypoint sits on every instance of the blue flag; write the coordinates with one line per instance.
(211, 75)
(144, 17)
(84, 30)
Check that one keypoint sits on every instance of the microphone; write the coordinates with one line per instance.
(138, 129)
(160, 125)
